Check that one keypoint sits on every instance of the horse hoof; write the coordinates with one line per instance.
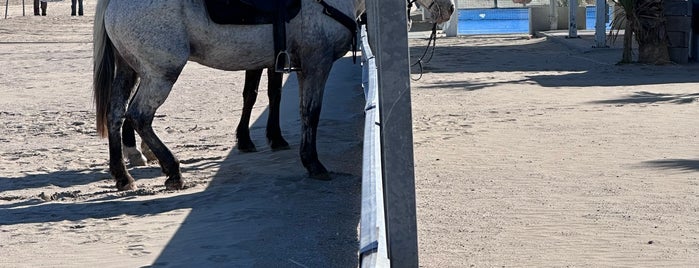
(138, 160)
(126, 186)
(174, 184)
(246, 146)
(279, 145)
(247, 149)
(319, 173)
(321, 176)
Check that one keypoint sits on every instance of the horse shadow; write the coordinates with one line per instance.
(250, 215)
(688, 165)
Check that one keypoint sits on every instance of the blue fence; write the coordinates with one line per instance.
(505, 20)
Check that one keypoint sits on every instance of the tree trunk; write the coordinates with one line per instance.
(627, 53)
(651, 37)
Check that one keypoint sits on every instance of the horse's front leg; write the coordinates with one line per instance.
(151, 94)
(311, 87)
(274, 92)
(242, 132)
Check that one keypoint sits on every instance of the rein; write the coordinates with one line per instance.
(432, 41)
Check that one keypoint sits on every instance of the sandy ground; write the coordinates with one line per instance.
(59, 207)
(528, 153)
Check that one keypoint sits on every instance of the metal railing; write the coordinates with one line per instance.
(372, 247)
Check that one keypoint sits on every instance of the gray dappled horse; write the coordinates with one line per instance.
(151, 41)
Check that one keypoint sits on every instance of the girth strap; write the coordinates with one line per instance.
(347, 21)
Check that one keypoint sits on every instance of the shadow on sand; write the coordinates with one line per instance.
(251, 215)
(539, 59)
(676, 164)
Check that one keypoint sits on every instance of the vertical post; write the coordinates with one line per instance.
(7, 2)
(572, 25)
(600, 20)
(553, 15)
(452, 29)
(388, 35)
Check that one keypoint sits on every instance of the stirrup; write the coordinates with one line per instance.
(282, 63)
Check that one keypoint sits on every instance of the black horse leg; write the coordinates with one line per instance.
(274, 92)
(122, 85)
(141, 112)
(311, 87)
(242, 132)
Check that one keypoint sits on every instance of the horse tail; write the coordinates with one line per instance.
(104, 67)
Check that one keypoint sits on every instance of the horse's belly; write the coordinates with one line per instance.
(232, 47)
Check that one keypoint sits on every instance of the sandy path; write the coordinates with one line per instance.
(59, 208)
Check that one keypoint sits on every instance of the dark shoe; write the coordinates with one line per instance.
(43, 8)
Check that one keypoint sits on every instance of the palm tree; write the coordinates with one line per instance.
(644, 20)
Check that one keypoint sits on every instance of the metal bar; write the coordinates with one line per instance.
(452, 27)
(389, 40)
(553, 15)
(572, 13)
(372, 235)
(600, 20)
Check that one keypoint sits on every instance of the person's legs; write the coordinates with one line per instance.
(79, 4)
(43, 8)
(36, 8)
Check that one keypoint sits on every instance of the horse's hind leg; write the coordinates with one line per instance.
(131, 152)
(274, 92)
(242, 132)
(311, 86)
(124, 81)
(152, 93)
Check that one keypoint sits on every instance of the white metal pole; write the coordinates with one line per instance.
(572, 25)
(553, 15)
(452, 27)
(600, 20)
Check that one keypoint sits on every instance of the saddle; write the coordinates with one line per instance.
(251, 12)
(255, 12)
